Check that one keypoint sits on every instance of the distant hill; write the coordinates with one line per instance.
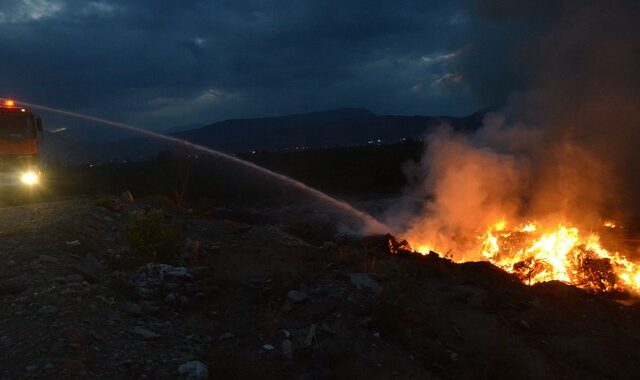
(347, 126)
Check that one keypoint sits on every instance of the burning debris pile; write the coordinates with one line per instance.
(398, 247)
(536, 254)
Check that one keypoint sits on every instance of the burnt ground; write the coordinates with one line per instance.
(247, 300)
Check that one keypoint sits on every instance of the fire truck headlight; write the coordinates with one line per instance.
(30, 178)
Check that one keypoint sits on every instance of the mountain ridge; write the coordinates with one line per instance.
(344, 126)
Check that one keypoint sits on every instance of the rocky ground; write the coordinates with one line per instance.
(248, 300)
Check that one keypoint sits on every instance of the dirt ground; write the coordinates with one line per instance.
(248, 300)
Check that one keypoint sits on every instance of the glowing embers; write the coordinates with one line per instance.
(398, 247)
(536, 254)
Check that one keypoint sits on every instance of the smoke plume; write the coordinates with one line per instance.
(564, 148)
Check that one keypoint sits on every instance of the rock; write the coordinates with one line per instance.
(5, 341)
(184, 301)
(48, 310)
(364, 281)
(287, 350)
(153, 277)
(149, 307)
(471, 294)
(193, 370)
(47, 259)
(73, 243)
(311, 335)
(178, 272)
(106, 300)
(89, 270)
(146, 334)
(328, 329)
(268, 347)
(132, 309)
(297, 296)
(227, 335)
(170, 298)
(127, 197)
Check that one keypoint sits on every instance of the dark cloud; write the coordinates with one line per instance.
(123, 58)
(157, 63)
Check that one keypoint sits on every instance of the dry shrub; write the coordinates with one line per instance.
(105, 202)
(152, 239)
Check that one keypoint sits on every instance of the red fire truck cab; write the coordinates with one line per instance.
(20, 134)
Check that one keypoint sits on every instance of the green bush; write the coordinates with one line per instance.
(152, 239)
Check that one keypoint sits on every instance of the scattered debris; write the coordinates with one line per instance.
(127, 197)
(73, 243)
(398, 247)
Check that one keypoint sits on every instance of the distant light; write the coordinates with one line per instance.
(23, 110)
(9, 103)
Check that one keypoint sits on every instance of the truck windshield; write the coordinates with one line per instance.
(18, 126)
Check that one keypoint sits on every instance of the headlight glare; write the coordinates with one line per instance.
(30, 178)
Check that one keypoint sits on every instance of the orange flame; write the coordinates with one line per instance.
(537, 253)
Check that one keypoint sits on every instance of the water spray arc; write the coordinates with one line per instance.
(371, 224)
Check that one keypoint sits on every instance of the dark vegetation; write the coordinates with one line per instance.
(191, 179)
(152, 239)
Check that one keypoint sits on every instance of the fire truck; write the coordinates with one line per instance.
(20, 134)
